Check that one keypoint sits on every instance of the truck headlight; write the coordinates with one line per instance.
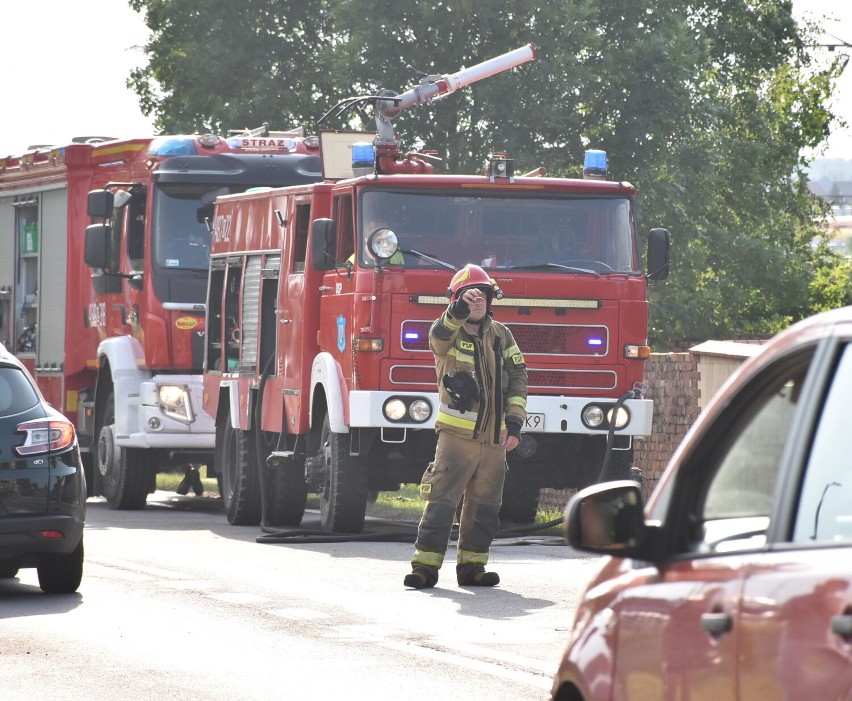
(603, 416)
(420, 410)
(174, 402)
(417, 409)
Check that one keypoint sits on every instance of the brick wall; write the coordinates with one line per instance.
(673, 380)
(673, 385)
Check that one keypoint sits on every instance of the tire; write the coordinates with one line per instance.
(343, 501)
(61, 574)
(286, 490)
(240, 477)
(520, 498)
(124, 474)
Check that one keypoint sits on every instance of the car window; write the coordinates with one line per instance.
(735, 510)
(16, 392)
(825, 503)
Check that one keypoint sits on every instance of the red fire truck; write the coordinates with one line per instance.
(118, 346)
(318, 370)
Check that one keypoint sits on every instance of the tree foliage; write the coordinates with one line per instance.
(706, 106)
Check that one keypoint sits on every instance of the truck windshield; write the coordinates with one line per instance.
(554, 233)
(179, 239)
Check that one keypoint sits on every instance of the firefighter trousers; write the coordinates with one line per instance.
(463, 468)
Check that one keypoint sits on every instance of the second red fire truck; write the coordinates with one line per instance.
(117, 345)
(318, 370)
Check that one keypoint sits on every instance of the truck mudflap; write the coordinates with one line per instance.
(545, 414)
(148, 424)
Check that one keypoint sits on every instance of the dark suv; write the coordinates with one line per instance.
(42, 487)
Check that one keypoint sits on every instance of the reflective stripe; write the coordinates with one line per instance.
(469, 557)
(450, 420)
(421, 557)
(451, 323)
(461, 356)
(517, 401)
(510, 351)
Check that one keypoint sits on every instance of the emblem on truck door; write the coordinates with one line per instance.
(341, 333)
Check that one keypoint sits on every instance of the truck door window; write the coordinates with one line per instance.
(744, 459)
(824, 512)
(300, 236)
(136, 233)
(345, 230)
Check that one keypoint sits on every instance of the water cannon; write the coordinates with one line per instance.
(439, 86)
(386, 156)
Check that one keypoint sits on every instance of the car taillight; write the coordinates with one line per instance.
(45, 435)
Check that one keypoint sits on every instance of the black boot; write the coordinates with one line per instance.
(422, 577)
(473, 575)
(185, 484)
(195, 480)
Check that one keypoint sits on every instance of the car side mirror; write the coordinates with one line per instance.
(96, 253)
(100, 203)
(659, 255)
(323, 244)
(606, 518)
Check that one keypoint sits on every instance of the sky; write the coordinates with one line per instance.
(69, 61)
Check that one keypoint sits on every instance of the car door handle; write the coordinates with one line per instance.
(716, 623)
(842, 626)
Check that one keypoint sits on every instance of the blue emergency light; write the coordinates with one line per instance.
(595, 341)
(363, 158)
(411, 336)
(594, 165)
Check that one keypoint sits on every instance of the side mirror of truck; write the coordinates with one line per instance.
(659, 255)
(97, 245)
(323, 244)
(100, 204)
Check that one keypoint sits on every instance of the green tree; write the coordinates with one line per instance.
(705, 106)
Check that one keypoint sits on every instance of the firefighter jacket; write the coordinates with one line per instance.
(493, 358)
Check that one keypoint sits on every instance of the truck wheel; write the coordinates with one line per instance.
(124, 478)
(61, 574)
(520, 498)
(240, 477)
(287, 491)
(343, 501)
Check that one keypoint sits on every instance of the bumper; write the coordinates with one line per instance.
(149, 426)
(557, 415)
(20, 536)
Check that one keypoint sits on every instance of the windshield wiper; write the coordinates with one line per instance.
(423, 256)
(573, 269)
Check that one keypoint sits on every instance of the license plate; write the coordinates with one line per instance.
(534, 422)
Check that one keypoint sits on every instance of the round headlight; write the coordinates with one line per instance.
(383, 243)
(621, 419)
(593, 416)
(420, 410)
(395, 409)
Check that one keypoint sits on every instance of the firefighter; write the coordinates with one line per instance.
(482, 384)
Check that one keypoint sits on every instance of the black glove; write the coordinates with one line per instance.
(459, 309)
(513, 426)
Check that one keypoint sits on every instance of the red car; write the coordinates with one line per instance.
(735, 581)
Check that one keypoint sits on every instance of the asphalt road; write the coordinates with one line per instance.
(177, 604)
